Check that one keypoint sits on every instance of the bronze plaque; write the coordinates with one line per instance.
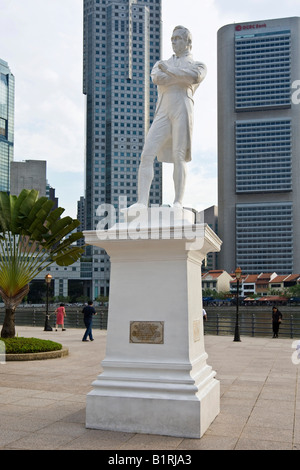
(147, 332)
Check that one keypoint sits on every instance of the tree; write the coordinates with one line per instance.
(32, 237)
(293, 291)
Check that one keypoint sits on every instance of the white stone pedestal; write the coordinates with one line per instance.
(155, 377)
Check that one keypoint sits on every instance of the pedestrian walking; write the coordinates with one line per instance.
(60, 317)
(88, 314)
(276, 320)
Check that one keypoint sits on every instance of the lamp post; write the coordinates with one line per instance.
(48, 278)
(238, 274)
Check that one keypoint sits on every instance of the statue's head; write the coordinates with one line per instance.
(181, 40)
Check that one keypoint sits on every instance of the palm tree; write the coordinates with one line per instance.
(32, 237)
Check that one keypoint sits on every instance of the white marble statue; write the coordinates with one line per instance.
(170, 135)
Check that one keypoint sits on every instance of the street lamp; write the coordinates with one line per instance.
(238, 274)
(48, 278)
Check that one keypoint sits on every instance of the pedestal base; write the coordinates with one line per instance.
(155, 377)
(178, 418)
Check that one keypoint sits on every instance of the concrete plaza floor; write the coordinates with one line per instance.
(42, 403)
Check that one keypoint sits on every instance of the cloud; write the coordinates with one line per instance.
(43, 47)
(253, 10)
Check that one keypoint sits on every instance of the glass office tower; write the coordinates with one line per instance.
(122, 41)
(7, 100)
(259, 146)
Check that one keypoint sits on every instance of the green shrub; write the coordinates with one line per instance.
(29, 345)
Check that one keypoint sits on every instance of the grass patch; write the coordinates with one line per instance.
(29, 345)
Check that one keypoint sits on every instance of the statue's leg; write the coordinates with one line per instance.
(146, 173)
(158, 134)
(179, 176)
(180, 137)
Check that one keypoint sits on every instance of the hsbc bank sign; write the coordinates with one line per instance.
(247, 27)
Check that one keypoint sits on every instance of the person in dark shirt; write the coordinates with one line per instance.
(276, 320)
(88, 314)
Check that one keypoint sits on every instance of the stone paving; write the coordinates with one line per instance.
(42, 403)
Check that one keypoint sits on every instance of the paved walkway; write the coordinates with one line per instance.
(42, 403)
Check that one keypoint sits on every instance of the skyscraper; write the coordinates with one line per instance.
(122, 41)
(259, 146)
(7, 100)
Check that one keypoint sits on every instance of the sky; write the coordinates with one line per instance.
(42, 42)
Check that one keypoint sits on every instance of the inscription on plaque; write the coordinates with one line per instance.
(147, 332)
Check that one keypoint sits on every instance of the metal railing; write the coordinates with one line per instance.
(74, 319)
(251, 324)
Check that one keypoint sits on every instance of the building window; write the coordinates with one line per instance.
(263, 156)
(264, 237)
(262, 70)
